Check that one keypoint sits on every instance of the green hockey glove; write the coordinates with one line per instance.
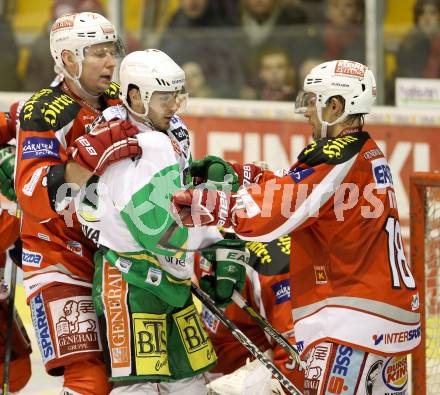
(216, 172)
(228, 258)
(7, 164)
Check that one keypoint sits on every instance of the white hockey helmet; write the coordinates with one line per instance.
(151, 71)
(351, 80)
(76, 32)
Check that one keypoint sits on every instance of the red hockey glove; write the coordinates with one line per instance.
(247, 173)
(202, 207)
(107, 143)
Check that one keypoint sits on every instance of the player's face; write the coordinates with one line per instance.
(163, 106)
(312, 115)
(98, 66)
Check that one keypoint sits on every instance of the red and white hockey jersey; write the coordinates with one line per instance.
(55, 249)
(351, 282)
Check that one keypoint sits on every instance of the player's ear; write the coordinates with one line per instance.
(336, 106)
(68, 58)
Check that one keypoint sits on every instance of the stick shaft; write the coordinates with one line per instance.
(244, 340)
(266, 326)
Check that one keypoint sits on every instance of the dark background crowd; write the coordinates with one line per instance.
(248, 49)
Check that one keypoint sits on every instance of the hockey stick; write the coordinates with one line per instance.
(244, 340)
(9, 329)
(241, 302)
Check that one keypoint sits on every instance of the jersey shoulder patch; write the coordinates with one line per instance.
(334, 150)
(48, 109)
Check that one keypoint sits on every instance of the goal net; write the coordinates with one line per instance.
(425, 258)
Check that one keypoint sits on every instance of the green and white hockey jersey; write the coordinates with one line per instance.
(127, 210)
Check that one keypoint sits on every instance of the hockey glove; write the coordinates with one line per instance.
(202, 207)
(228, 258)
(213, 169)
(247, 173)
(216, 172)
(7, 164)
(107, 143)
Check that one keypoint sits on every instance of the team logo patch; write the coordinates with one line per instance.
(395, 373)
(320, 275)
(40, 147)
(382, 173)
(30, 258)
(154, 276)
(123, 265)
(298, 174)
(76, 325)
(75, 247)
(42, 331)
(281, 291)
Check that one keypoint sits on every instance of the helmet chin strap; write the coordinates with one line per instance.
(325, 124)
(76, 81)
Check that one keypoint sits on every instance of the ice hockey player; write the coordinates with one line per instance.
(57, 258)
(154, 338)
(355, 301)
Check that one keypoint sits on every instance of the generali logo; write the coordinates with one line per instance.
(76, 325)
(116, 311)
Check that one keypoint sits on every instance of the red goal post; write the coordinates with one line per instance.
(425, 261)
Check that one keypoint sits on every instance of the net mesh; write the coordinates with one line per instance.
(432, 288)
